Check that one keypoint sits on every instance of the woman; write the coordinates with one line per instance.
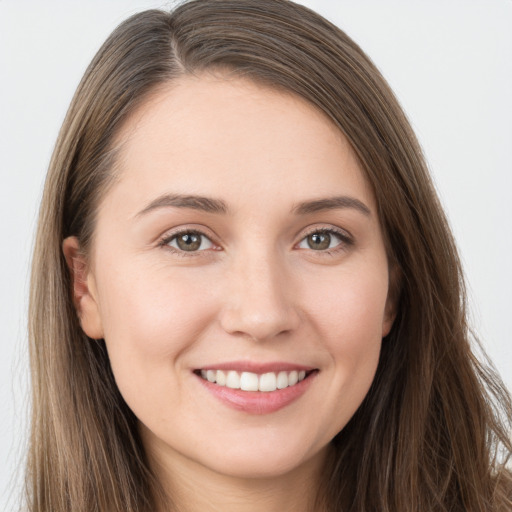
(245, 294)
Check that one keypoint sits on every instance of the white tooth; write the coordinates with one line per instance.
(220, 378)
(282, 380)
(249, 381)
(268, 382)
(210, 375)
(203, 374)
(293, 378)
(302, 374)
(233, 380)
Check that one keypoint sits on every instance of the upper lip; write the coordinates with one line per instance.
(256, 367)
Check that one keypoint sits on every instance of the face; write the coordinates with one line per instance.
(240, 247)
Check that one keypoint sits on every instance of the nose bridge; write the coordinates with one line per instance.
(259, 304)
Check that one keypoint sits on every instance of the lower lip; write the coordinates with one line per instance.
(259, 402)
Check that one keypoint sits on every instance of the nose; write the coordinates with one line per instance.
(260, 303)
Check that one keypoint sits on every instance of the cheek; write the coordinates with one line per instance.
(150, 320)
(349, 318)
(349, 306)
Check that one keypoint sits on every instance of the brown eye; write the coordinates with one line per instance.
(190, 241)
(325, 239)
(319, 241)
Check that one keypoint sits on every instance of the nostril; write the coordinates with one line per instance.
(258, 326)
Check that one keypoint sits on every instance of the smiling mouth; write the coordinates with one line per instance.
(249, 381)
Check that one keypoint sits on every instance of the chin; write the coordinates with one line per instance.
(255, 462)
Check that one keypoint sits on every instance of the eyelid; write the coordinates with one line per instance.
(346, 238)
(165, 239)
(328, 228)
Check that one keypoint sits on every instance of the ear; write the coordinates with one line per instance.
(390, 310)
(389, 317)
(83, 289)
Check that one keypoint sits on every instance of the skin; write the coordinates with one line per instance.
(255, 290)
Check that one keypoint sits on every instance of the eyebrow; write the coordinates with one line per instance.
(218, 206)
(201, 203)
(331, 203)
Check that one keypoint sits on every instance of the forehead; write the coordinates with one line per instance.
(229, 137)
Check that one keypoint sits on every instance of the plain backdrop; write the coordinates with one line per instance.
(449, 62)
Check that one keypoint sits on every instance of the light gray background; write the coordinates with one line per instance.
(449, 61)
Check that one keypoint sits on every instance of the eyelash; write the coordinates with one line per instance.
(345, 241)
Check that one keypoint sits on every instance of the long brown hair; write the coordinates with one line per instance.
(433, 433)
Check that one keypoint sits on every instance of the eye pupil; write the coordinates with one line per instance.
(189, 241)
(319, 241)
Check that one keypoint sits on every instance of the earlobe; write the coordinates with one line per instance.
(83, 289)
